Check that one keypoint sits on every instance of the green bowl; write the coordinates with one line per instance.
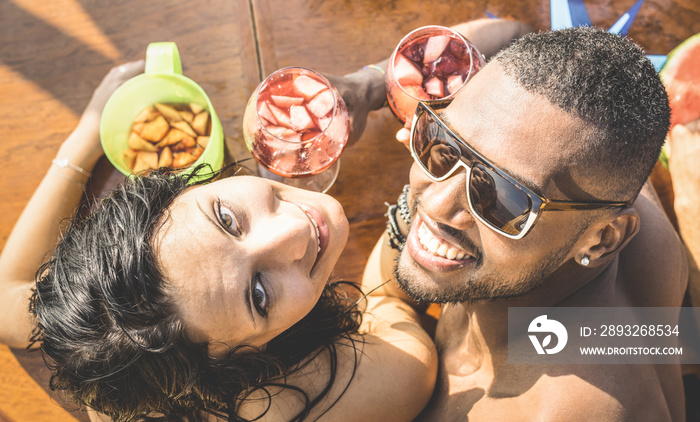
(162, 82)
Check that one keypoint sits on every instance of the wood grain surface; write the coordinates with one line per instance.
(53, 54)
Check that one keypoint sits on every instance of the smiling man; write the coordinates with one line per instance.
(528, 190)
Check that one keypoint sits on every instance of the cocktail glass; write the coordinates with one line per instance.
(431, 62)
(296, 125)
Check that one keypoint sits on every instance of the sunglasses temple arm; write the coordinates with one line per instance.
(578, 206)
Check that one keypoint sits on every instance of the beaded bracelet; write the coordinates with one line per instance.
(404, 211)
(383, 72)
(63, 163)
(396, 239)
(375, 67)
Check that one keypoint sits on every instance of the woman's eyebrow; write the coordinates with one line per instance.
(206, 214)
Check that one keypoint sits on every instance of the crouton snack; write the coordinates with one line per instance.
(167, 135)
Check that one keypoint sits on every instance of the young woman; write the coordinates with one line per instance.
(171, 300)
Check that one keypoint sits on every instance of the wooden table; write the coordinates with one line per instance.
(53, 54)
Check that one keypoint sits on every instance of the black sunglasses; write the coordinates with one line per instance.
(495, 198)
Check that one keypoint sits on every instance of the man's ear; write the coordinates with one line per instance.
(606, 242)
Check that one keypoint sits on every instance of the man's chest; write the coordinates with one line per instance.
(473, 397)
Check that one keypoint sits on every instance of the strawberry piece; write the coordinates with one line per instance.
(405, 72)
(307, 87)
(416, 91)
(404, 105)
(265, 113)
(308, 135)
(435, 87)
(323, 123)
(281, 117)
(414, 52)
(434, 47)
(284, 133)
(458, 49)
(445, 65)
(321, 104)
(454, 83)
(300, 118)
(286, 102)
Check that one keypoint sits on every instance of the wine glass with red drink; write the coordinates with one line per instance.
(430, 63)
(296, 125)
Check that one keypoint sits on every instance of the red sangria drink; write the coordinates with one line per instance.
(430, 63)
(296, 126)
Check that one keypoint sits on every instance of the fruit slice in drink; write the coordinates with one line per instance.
(296, 124)
(429, 63)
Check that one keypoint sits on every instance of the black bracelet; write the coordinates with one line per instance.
(396, 239)
(404, 211)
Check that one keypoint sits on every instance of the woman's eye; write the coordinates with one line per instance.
(228, 219)
(260, 297)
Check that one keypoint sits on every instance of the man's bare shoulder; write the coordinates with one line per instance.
(653, 267)
(601, 392)
(553, 393)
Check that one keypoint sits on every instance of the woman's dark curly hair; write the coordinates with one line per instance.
(114, 340)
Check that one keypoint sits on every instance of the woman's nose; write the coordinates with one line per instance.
(287, 235)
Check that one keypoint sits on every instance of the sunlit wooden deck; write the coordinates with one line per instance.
(53, 54)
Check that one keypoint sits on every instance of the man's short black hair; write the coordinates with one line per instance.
(607, 81)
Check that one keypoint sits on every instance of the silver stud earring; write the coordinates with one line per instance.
(585, 261)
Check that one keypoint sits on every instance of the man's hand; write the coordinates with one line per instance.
(362, 91)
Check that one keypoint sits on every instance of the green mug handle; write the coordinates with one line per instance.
(163, 57)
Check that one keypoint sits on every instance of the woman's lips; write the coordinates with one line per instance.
(322, 231)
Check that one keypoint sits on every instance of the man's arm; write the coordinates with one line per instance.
(365, 89)
(37, 231)
(491, 35)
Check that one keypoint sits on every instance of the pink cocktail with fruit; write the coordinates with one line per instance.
(431, 62)
(296, 126)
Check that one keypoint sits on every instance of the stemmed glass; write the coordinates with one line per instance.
(296, 125)
(431, 62)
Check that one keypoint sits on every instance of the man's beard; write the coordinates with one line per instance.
(486, 286)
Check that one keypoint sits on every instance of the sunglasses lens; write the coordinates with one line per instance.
(433, 148)
(498, 201)
(494, 199)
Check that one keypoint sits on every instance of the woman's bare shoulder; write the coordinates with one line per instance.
(385, 373)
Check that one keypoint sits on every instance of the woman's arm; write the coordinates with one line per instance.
(37, 231)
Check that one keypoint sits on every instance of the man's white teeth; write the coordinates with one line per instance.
(436, 247)
(318, 232)
(451, 253)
